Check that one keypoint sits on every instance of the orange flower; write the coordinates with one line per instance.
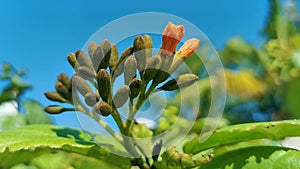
(189, 47)
(172, 35)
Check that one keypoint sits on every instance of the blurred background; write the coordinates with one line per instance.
(259, 49)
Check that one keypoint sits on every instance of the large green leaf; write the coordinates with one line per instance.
(22, 144)
(243, 132)
(259, 157)
(62, 160)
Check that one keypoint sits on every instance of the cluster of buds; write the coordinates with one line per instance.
(96, 72)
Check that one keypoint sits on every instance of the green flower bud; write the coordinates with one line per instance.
(160, 77)
(91, 48)
(64, 79)
(56, 109)
(170, 151)
(83, 59)
(86, 73)
(135, 87)
(121, 96)
(139, 49)
(166, 60)
(72, 59)
(180, 82)
(106, 47)
(163, 74)
(153, 65)
(81, 85)
(119, 68)
(97, 57)
(63, 90)
(104, 84)
(172, 155)
(90, 99)
(54, 96)
(187, 160)
(177, 61)
(113, 57)
(129, 69)
(103, 108)
(148, 46)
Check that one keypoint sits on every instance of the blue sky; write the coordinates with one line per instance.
(38, 35)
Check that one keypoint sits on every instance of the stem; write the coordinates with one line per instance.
(102, 123)
(151, 88)
(130, 143)
(129, 119)
(142, 98)
(116, 116)
(143, 152)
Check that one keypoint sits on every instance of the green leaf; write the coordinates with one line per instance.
(290, 160)
(199, 124)
(69, 160)
(47, 137)
(58, 159)
(12, 121)
(292, 98)
(259, 157)
(270, 28)
(17, 83)
(243, 132)
(7, 95)
(35, 114)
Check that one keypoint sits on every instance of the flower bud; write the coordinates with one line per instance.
(172, 35)
(148, 46)
(113, 57)
(187, 160)
(172, 155)
(188, 48)
(97, 57)
(161, 76)
(90, 99)
(72, 59)
(104, 84)
(130, 66)
(135, 87)
(64, 79)
(91, 48)
(106, 47)
(63, 90)
(103, 108)
(54, 96)
(152, 67)
(81, 85)
(86, 73)
(139, 49)
(119, 68)
(121, 96)
(83, 59)
(180, 82)
(56, 109)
